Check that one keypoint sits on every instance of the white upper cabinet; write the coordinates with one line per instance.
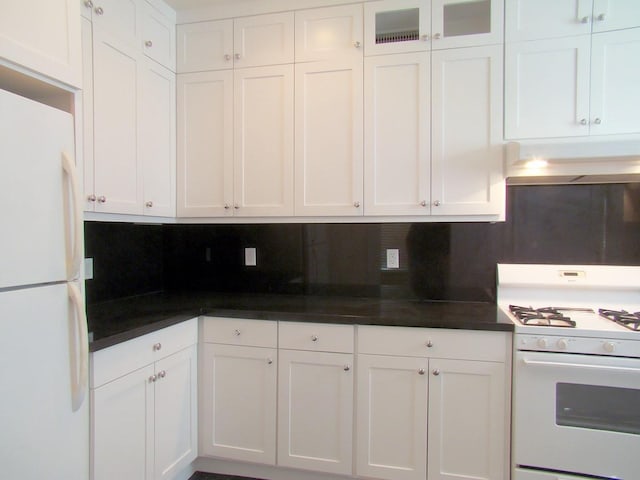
(159, 37)
(615, 70)
(397, 168)
(466, 131)
(407, 25)
(466, 23)
(43, 36)
(205, 46)
(243, 42)
(263, 40)
(205, 144)
(537, 19)
(396, 26)
(329, 33)
(120, 20)
(328, 138)
(263, 141)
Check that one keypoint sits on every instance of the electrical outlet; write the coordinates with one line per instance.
(393, 258)
(88, 268)
(250, 257)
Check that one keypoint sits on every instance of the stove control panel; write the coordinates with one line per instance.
(576, 345)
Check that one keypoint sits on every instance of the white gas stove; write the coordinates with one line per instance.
(576, 384)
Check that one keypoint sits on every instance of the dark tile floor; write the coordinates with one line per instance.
(216, 476)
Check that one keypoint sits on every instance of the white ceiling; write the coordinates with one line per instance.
(187, 4)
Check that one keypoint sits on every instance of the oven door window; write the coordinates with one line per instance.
(597, 407)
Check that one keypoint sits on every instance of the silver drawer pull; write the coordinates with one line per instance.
(436, 372)
(347, 368)
(157, 346)
(237, 332)
(314, 338)
(429, 344)
(421, 371)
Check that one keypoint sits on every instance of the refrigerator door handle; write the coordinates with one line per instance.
(79, 350)
(74, 251)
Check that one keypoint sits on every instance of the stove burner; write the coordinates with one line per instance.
(544, 317)
(622, 317)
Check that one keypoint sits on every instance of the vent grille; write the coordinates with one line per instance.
(393, 37)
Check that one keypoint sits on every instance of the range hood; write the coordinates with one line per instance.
(564, 161)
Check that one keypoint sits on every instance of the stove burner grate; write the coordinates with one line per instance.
(622, 317)
(544, 317)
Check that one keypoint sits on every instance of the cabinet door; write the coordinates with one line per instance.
(263, 141)
(157, 138)
(87, 115)
(328, 138)
(176, 416)
(120, 21)
(615, 69)
(397, 165)
(467, 414)
(122, 427)
(238, 403)
(392, 417)
(540, 105)
(118, 179)
(315, 411)
(329, 33)
(263, 40)
(538, 19)
(467, 152)
(43, 36)
(396, 26)
(615, 14)
(205, 144)
(466, 23)
(205, 46)
(158, 37)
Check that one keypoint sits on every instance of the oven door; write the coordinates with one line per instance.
(577, 414)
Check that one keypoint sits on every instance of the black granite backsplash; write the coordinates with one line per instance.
(580, 224)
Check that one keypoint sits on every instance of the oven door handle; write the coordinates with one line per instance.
(580, 365)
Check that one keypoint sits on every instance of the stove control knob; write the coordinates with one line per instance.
(609, 347)
(542, 343)
(562, 344)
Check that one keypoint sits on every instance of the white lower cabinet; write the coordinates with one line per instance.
(238, 389)
(315, 398)
(144, 397)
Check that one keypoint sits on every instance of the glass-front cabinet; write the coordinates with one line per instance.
(393, 26)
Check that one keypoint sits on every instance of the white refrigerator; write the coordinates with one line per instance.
(44, 413)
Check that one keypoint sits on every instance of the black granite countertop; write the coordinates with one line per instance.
(120, 320)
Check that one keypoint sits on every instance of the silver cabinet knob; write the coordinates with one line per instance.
(356, 44)
(162, 374)
(584, 20)
(157, 347)
(237, 332)
(314, 338)
(237, 56)
(269, 361)
(91, 198)
(600, 17)
(597, 121)
(429, 344)
(102, 199)
(436, 36)
(347, 368)
(356, 204)
(583, 121)
(436, 203)
(424, 38)
(88, 4)
(236, 206)
(148, 43)
(227, 57)
(149, 204)
(99, 11)
(226, 206)
(153, 378)
(436, 372)
(421, 371)
(423, 203)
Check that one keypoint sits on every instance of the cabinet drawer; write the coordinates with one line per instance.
(434, 343)
(240, 331)
(319, 337)
(113, 362)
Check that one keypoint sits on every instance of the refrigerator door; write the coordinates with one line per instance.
(44, 431)
(37, 216)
